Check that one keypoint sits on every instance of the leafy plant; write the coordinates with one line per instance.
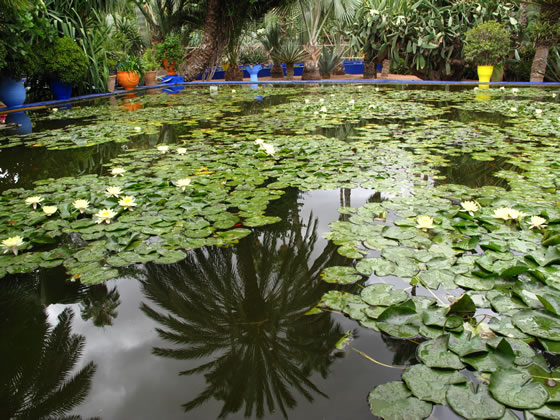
(64, 60)
(252, 54)
(487, 43)
(330, 58)
(149, 61)
(132, 63)
(171, 49)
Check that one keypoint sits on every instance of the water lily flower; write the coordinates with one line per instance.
(502, 88)
(233, 91)
(80, 205)
(332, 95)
(306, 101)
(55, 110)
(268, 148)
(33, 201)
(516, 214)
(538, 111)
(377, 89)
(470, 207)
(372, 106)
(127, 202)
(181, 150)
(323, 109)
(351, 102)
(259, 141)
(138, 128)
(514, 90)
(507, 213)
(163, 149)
(12, 244)
(321, 100)
(49, 210)
(117, 171)
(537, 222)
(113, 191)
(425, 222)
(105, 215)
(183, 183)
(513, 109)
(316, 113)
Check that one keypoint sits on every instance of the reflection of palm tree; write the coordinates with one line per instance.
(34, 378)
(246, 304)
(404, 351)
(100, 304)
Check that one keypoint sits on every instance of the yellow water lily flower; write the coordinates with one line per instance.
(537, 222)
(118, 171)
(470, 206)
(12, 244)
(502, 213)
(183, 183)
(163, 149)
(425, 222)
(181, 150)
(105, 215)
(33, 201)
(127, 202)
(113, 191)
(80, 205)
(49, 210)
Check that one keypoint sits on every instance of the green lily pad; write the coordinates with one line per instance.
(538, 323)
(393, 401)
(513, 387)
(434, 353)
(465, 344)
(430, 384)
(340, 275)
(500, 357)
(472, 403)
(383, 295)
(550, 380)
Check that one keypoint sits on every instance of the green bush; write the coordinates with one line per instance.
(149, 61)
(132, 63)
(487, 43)
(172, 49)
(64, 60)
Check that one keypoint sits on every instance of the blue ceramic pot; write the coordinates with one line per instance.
(22, 120)
(61, 90)
(12, 92)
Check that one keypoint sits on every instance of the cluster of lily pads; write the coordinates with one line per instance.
(471, 273)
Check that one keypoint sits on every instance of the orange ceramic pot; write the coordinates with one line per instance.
(171, 68)
(128, 79)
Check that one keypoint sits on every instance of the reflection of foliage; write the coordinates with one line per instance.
(246, 304)
(100, 304)
(35, 380)
(404, 351)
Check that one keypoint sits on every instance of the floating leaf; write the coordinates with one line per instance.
(472, 403)
(340, 275)
(430, 384)
(394, 401)
(513, 387)
(383, 295)
(538, 323)
(434, 353)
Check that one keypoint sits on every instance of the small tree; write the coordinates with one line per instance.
(487, 44)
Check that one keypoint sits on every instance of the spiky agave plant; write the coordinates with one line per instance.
(289, 53)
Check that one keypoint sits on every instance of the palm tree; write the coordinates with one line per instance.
(37, 360)
(100, 304)
(545, 33)
(242, 309)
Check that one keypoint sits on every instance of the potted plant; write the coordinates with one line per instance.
(289, 53)
(112, 74)
(64, 64)
(271, 42)
(485, 45)
(329, 59)
(170, 53)
(253, 56)
(129, 72)
(150, 67)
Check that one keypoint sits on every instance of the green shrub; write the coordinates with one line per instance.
(149, 61)
(172, 49)
(329, 59)
(132, 63)
(252, 54)
(487, 43)
(64, 60)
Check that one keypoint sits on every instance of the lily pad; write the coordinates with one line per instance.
(538, 323)
(340, 275)
(431, 384)
(434, 353)
(472, 403)
(513, 387)
(393, 401)
(383, 295)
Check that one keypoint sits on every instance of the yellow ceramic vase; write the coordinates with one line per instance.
(484, 75)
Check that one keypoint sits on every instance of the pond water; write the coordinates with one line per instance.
(236, 295)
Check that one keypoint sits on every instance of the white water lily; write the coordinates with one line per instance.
(514, 90)
(138, 128)
(470, 207)
(268, 148)
(181, 150)
(424, 222)
(323, 109)
(12, 244)
(118, 171)
(113, 191)
(259, 141)
(81, 205)
(105, 215)
(502, 88)
(321, 100)
(377, 89)
(306, 101)
(233, 91)
(513, 109)
(372, 106)
(316, 113)
(507, 213)
(183, 183)
(537, 222)
(49, 210)
(163, 149)
(351, 102)
(538, 111)
(127, 202)
(33, 201)
(54, 110)
(516, 214)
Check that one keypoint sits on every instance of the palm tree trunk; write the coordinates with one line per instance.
(276, 72)
(208, 46)
(311, 65)
(540, 61)
(290, 71)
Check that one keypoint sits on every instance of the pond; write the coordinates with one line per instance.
(283, 252)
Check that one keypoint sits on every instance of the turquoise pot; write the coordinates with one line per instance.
(12, 92)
